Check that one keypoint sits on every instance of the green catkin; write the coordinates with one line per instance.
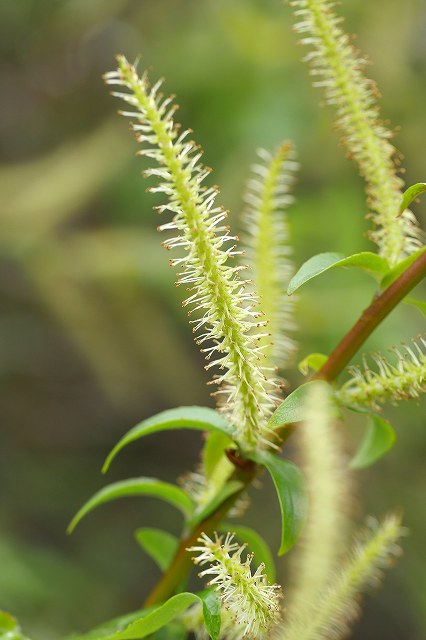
(338, 69)
(222, 309)
(337, 608)
(250, 606)
(266, 243)
(403, 380)
(323, 461)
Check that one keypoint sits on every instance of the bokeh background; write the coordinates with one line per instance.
(92, 335)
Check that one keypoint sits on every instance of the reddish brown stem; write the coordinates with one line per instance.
(370, 318)
(181, 563)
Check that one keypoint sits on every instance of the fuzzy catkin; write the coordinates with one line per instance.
(267, 248)
(337, 68)
(337, 607)
(323, 461)
(251, 604)
(402, 380)
(222, 309)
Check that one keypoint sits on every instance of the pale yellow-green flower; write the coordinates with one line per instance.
(393, 382)
(338, 68)
(251, 604)
(337, 607)
(223, 310)
(320, 448)
(266, 243)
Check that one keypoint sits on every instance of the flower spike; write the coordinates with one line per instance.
(391, 382)
(267, 249)
(223, 311)
(338, 68)
(252, 605)
(321, 450)
(337, 608)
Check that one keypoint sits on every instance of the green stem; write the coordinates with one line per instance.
(381, 306)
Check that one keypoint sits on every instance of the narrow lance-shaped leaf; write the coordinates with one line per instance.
(147, 623)
(369, 262)
(160, 545)
(211, 612)
(292, 409)
(213, 451)
(411, 194)
(136, 487)
(112, 626)
(292, 497)
(174, 630)
(313, 362)
(378, 440)
(399, 268)
(198, 418)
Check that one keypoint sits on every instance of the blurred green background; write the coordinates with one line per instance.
(91, 331)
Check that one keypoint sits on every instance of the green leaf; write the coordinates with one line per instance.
(411, 194)
(421, 306)
(160, 545)
(399, 268)
(292, 409)
(9, 628)
(175, 630)
(378, 440)
(136, 487)
(366, 260)
(292, 496)
(228, 490)
(312, 362)
(7, 622)
(119, 623)
(148, 621)
(211, 611)
(199, 418)
(255, 544)
(157, 618)
(213, 451)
